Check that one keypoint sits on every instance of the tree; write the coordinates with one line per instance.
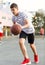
(38, 19)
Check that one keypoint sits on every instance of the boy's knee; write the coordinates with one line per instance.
(31, 44)
(21, 41)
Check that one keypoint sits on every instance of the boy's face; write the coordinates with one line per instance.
(14, 11)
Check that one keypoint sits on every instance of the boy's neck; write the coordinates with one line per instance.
(17, 13)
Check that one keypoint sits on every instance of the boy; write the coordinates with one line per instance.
(27, 31)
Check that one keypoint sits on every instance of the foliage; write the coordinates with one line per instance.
(39, 19)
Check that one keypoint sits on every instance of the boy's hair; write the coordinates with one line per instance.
(14, 5)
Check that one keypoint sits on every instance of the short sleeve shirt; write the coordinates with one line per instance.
(20, 20)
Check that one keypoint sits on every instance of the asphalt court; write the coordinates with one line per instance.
(10, 53)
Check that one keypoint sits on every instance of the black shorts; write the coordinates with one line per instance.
(30, 37)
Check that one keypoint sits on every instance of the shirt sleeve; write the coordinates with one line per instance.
(24, 16)
(27, 16)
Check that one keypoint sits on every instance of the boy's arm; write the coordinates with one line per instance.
(14, 22)
(26, 23)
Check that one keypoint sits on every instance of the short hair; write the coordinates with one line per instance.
(14, 5)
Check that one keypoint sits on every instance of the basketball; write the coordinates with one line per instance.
(16, 29)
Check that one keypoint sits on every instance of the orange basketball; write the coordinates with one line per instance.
(16, 29)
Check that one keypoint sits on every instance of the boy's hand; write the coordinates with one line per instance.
(20, 26)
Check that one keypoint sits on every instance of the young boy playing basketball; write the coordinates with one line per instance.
(27, 31)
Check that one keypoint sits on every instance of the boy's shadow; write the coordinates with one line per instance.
(33, 63)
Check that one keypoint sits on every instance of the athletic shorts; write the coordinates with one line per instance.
(1, 34)
(30, 37)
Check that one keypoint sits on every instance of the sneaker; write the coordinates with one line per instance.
(36, 59)
(26, 61)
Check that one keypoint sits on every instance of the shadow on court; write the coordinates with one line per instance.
(10, 53)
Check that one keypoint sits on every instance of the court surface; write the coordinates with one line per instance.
(10, 53)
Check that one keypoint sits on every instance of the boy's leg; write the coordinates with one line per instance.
(36, 58)
(23, 48)
(24, 51)
(33, 47)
